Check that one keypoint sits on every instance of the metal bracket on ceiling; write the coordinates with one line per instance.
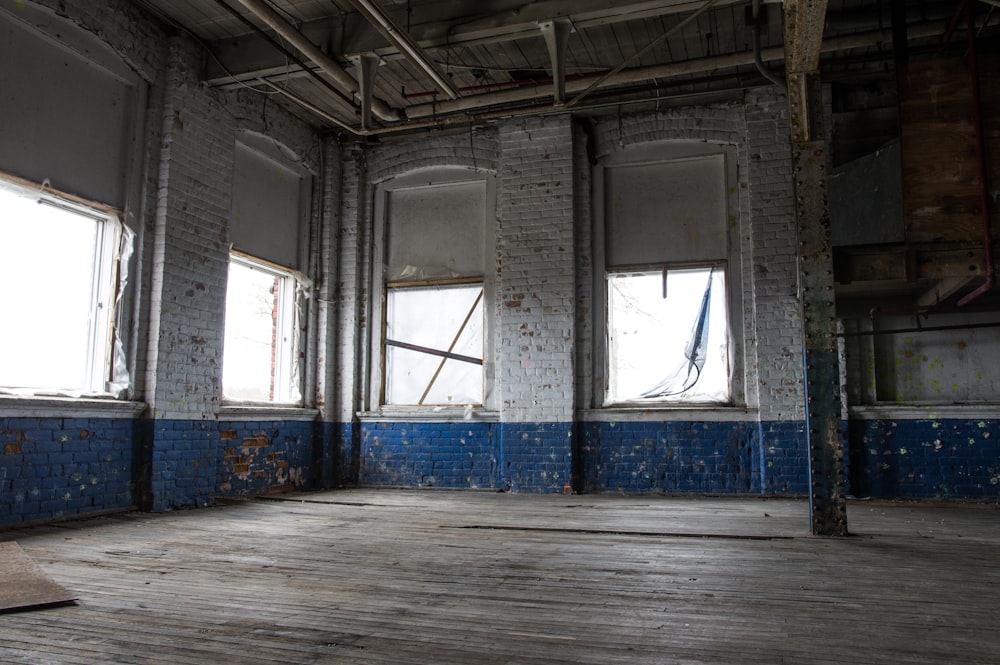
(367, 67)
(556, 33)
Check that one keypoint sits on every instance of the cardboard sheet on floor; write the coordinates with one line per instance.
(23, 585)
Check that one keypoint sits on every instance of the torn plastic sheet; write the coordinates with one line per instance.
(422, 273)
(120, 379)
(686, 376)
(651, 357)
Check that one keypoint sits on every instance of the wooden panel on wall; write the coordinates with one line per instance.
(940, 176)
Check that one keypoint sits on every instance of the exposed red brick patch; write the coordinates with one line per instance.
(256, 442)
(227, 435)
(12, 448)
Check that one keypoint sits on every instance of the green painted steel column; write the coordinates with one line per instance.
(803, 31)
(816, 295)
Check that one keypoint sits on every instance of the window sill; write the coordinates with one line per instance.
(12, 406)
(924, 411)
(439, 414)
(675, 413)
(251, 412)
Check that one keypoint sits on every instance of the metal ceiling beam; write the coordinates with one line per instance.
(406, 46)
(556, 33)
(276, 22)
(367, 67)
(645, 74)
(442, 25)
(515, 19)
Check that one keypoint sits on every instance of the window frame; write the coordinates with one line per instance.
(104, 366)
(384, 364)
(649, 155)
(664, 269)
(373, 401)
(287, 361)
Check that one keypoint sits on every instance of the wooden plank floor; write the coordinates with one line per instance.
(421, 577)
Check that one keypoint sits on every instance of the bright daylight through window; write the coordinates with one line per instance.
(60, 263)
(260, 357)
(434, 345)
(668, 337)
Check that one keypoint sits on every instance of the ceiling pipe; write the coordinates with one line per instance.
(388, 28)
(265, 13)
(278, 46)
(639, 75)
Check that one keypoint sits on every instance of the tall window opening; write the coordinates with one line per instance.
(60, 262)
(664, 239)
(432, 349)
(260, 358)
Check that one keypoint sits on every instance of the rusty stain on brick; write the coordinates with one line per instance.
(227, 435)
(282, 464)
(12, 448)
(84, 433)
(241, 468)
(259, 441)
(260, 474)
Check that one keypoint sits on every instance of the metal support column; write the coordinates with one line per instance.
(815, 266)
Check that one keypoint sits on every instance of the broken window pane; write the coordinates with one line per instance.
(434, 345)
(668, 336)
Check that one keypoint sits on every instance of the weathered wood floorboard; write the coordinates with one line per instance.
(405, 577)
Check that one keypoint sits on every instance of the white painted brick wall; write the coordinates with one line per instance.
(774, 258)
(190, 257)
(351, 290)
(537, 280)
(189, 239)
(122, 26)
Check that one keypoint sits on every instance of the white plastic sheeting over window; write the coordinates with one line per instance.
(668, 336)
(434, 345)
